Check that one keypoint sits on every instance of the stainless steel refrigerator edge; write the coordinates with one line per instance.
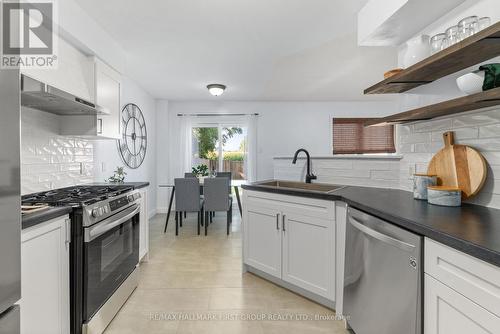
(10, 201)
(383, 277)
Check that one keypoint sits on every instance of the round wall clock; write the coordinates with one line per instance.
(134, 140)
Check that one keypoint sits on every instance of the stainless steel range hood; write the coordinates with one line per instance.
(38, 95)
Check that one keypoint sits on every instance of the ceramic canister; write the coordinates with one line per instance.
(420, 184)
(444, 196)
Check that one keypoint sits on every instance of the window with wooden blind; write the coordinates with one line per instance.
(350, 136)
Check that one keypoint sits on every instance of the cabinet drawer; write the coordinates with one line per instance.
(310, 207)
(475, 279)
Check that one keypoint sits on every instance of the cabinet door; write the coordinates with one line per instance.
(45, 278)
(108, 86)
(73, 74)
(262, 239)
(448, 312)
(144, 226)
(309, 253)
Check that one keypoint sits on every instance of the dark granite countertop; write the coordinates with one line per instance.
(135, 185)
(472, 229)
(32, 219)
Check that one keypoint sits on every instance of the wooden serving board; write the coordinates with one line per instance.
(459, 166)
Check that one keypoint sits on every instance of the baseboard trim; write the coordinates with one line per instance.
(152, 213)
(162, 209)
(304, 293)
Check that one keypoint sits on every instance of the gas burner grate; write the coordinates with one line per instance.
(75, 196)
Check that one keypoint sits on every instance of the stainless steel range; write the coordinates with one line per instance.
(104, 250)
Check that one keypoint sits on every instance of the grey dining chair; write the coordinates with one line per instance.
(228, 175)
(216, 194)
(187, 199)
(224, 174)
(189, 175)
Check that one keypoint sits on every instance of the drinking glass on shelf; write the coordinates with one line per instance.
(451, 36)
(468, 27)
(437, 42)
(484, 22)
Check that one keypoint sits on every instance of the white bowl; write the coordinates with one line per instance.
(471, 83)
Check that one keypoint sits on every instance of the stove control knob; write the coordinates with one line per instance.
(130, 198)
(95, 213)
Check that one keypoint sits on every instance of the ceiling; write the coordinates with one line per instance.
(261, 49)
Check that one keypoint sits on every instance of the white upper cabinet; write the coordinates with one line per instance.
(74, 73)
(107, 93)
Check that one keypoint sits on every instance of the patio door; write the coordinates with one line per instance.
(222, 147)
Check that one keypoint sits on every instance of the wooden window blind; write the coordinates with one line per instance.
(350, 136)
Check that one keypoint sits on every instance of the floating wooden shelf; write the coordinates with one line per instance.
(485, 99)
(475, 49)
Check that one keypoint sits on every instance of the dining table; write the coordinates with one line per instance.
(236, 184)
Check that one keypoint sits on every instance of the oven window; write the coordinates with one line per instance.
(108, 260)
(114, 248)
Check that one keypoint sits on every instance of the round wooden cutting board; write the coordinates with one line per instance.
(459, 166)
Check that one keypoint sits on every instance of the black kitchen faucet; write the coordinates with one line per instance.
(309, 176)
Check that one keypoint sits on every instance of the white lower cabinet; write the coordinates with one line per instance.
(45, 278)
(449, 312)
(263, 239)
(144, 225)
(461, 292)
(308, 246)
(291, 238)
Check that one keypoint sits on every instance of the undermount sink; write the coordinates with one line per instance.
(320, 187)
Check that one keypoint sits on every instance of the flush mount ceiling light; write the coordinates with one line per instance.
(216, 89)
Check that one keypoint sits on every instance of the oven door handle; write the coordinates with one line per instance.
(99, 229)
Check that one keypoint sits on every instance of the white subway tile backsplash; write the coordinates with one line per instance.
(490, 131)
(49, 160)
(480, 130)
(406, 148)
(384, 175)
(432, 125)
(460, 134)
(427, 147)
(415, 138)
(486, 144)
(480, 118)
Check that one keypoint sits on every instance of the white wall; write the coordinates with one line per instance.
(163, 148)
(282, 127)
(106, 151)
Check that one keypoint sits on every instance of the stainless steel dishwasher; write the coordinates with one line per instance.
(382, 277)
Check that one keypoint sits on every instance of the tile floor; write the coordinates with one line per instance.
(195, 284)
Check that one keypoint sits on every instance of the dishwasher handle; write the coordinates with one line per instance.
(380, 236)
